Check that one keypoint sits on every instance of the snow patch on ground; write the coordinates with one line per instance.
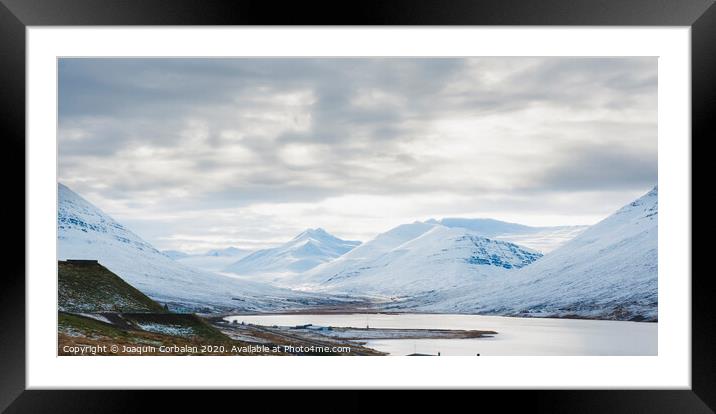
(173, 330)
(96, 317)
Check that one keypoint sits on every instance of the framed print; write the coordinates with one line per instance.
(221, 196)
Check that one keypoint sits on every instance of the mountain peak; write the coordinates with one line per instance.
(308, 249)
(644, 206)
(317, 233)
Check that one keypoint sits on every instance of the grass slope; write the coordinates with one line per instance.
(104, 315)
(174, 324)
(83, 331)
(91, 287)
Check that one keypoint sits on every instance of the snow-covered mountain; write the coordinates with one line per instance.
(609, 271)
(85, 232)
(542, 239)
(214, 260)
(305, 251)
(477, 266)
(416, 258)
(355, 259)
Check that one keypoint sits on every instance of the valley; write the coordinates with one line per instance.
(114, 287)
(100, 314)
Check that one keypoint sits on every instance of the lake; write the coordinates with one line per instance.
(516, 336)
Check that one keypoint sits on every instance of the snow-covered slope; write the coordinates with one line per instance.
(483, 226)
(608, 271)
(364, 253)
(417, 258)
(85, 232)
(305, 251)
(363, 256)
(542, 239)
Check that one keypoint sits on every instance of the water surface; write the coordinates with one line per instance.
(516, 336)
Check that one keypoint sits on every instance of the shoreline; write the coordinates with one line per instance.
(333, 311)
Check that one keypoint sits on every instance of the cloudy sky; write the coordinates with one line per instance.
(194, 154)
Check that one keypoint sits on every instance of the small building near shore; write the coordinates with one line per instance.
(82, 261)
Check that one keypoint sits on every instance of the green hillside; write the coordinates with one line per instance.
(174, 324)
(129, 325)
(87, 286)
(124, 331)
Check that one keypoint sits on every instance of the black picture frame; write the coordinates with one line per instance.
(16, 15)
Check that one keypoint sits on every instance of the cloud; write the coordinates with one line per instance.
(163, 139)
(598, 166)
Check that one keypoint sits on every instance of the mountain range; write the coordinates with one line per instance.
(450, 265)
(416, 258)
(608, 272)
